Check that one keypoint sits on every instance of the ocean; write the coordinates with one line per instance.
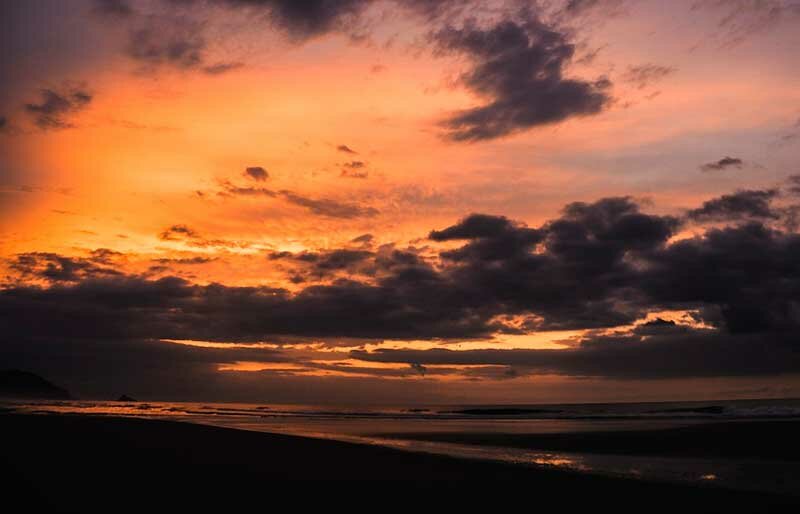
(495, 432)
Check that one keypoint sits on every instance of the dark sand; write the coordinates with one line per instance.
(55, 463)
(767, 440)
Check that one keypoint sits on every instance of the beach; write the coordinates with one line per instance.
(86, 463)
(759, 439)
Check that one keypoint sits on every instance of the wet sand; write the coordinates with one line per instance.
(58, 463)
(760, 440)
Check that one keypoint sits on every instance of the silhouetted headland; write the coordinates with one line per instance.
(16, 383)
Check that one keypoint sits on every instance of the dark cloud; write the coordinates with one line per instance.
(590, 55)
(591, 251)
(518, 67)
(418, 368)
(191, 237)
(741, 19)
(723, 164)
(185, 260)
(222, 67)
(58, 268)
(177, 232)
(330, 208)
(348, 173)
(365, 239)
(56, 106)
(106, 256)
(169, 37)
(603, 264)
(746, 204)
(794, 184)
(519, 75)
(351, 264)
(346, 149)
(496, 272)
(323, 263)
(177, 34)
(113, 8)
(354, 169)
(574, 8)
(309, 18)
(174, 41)
(578, 6)
(473, 227)
(172, 308)
(691, 354)
(646, 74)
(156, 370)
(749, 274)
(326, 207)
(230, 189)
(436, 10)
(256, 173)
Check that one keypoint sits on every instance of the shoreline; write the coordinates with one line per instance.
(55, 455)
(732, 439)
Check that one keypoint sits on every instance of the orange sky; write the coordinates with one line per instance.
(164, 144)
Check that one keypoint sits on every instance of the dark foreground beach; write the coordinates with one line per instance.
(55, 463)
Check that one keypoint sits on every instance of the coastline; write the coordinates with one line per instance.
(53, 456)
(740, 439)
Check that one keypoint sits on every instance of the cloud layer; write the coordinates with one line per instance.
(600, 266)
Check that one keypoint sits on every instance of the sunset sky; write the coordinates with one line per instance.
(402, 201)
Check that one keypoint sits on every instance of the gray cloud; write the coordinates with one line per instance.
(330, 208)
(176, 232)
(354, 169)
(723, 164)
(222, 67)
(602, 264)
(174, 41)
(518, 68)
(346, 149)
(113, 8)
(746, 204)
(688, 354)
(794, 184)
(58, 268)
(185, 260)
(739, 20)
(646, 74)
(326, 207)
(56, 106)
(191, 237)
(256, 173)
(307, 19)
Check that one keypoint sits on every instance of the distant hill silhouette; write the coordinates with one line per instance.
(15, 383)
(126, 398)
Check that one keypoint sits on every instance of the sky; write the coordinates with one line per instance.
(402, 201)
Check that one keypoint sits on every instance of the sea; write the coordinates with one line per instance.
(386, 425)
